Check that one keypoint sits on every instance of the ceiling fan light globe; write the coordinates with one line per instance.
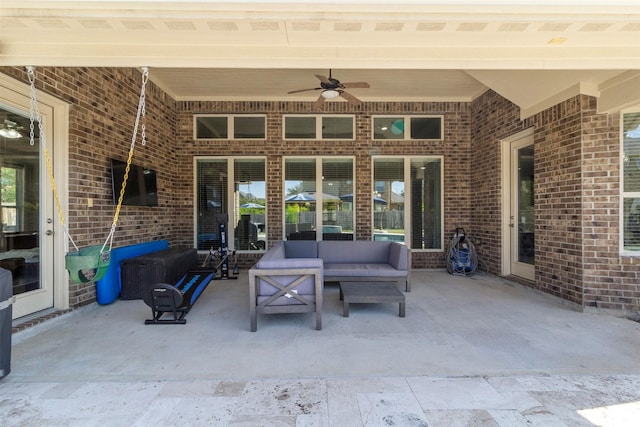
(330, 93)
(10, 133)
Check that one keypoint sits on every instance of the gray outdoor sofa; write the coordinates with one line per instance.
(290, 276)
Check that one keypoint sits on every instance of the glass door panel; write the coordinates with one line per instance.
(300, 199)
(337, 199)
(20, 201)
(522, 252)
(525, 205)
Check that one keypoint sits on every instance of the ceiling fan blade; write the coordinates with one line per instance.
(350, 85)
(320, 101)
(323, 79)
(304, 90)
(352, 99)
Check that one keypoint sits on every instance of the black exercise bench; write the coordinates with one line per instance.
(176, 300)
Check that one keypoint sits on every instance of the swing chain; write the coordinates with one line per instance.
(143, 106)
(34, 115)
(76, 264)
(34, 111)
(140, 117)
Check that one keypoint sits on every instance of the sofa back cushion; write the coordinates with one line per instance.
(399, 256)
(275, 253)
(276, 257)
(301, 249)
(364, 251)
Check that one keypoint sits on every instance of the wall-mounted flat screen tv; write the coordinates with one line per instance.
(142, 188)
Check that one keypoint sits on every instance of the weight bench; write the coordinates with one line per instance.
(176, 299)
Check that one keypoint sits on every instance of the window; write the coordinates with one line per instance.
(250, 202)
(337, 199)
(319, 209)
(11, 191)
(407, 127)
(408, 211)
(388, 199)
(230, 192)
(337, 127)
(230, 127)
(631, 182)
(300, 127)
(426, 203)
(318, 127)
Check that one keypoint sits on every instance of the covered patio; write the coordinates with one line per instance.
(560, 78)
(500, 353)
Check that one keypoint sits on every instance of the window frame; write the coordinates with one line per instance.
(319, 122)
(624, 195)
(230, 127)
(407, 126)
(407, 161)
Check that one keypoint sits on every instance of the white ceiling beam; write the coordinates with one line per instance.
(202, 55)
(620, 93)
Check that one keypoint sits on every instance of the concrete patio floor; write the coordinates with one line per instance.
(470, 351)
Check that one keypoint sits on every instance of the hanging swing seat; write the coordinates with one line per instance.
(88, 264)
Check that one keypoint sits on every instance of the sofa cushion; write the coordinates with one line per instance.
(354, 252)
(332, 270)
(289, 263)
(301, 249)
(399, 256)
(275, 253)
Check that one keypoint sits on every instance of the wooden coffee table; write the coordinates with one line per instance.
(370, 292)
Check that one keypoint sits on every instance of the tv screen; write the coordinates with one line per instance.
(141, 187)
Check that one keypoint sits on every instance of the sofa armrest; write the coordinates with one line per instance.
(399, 256)
(282, 284)
(291, 264)
(400, 259)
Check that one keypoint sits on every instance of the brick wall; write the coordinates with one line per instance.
(493, 118)
(576, 200)
(455, 148)
(101, 120)
(610, 281)
(558, 200)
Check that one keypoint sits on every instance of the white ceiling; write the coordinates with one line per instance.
(534, 55)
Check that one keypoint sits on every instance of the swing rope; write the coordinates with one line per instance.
(89, 258)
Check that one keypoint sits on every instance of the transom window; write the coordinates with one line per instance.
(407, 127)
(230, 126)
(631, 183)
(318, 127)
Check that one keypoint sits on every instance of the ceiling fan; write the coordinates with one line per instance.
(10, 129)
(332, 88)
